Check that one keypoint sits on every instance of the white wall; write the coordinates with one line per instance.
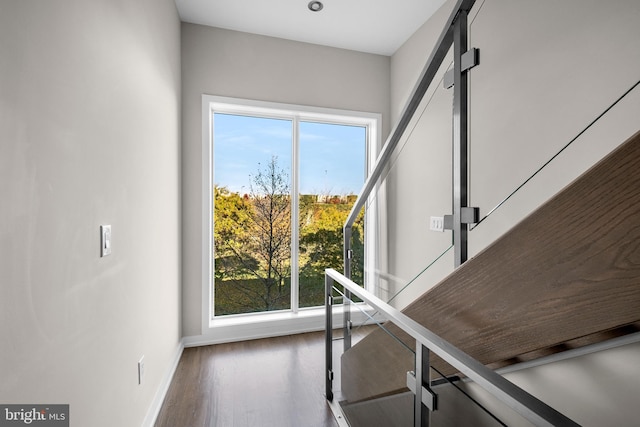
(89, 135)
(234, 64)
(547, 69)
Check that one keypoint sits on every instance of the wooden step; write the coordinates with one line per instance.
(569, 271)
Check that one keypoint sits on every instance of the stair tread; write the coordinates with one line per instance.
(571, 269)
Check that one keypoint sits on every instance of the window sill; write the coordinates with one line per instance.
(270, 316)
(264, 325)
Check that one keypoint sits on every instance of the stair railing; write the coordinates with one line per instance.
(454, 33)
(526, 405)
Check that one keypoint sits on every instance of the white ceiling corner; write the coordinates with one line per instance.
(373, 26)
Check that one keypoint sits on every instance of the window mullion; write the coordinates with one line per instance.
(295, 214)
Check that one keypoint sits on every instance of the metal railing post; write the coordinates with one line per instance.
(346, 301)
(423, 393)
(418, 407)
(328, 305)
(460, 140)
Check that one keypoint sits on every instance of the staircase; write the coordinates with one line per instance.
(566, 276)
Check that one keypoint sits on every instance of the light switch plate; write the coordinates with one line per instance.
(105, 240)
(141, 370)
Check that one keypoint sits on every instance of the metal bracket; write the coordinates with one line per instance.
(350, 254)
(467, 216)
(448, 222)
(330, 375)
(429, 398)
(469, 59)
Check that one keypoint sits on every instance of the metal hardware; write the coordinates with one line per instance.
(448, 222)
(346, 329)
(534, 410)
(347, 248)
(429, 398)
(470, 215)
(330, 375)
(469, 59)
(350, 254)
(467, 216)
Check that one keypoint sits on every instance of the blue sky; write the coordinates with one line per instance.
(332, 157)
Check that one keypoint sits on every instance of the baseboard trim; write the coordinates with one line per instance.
(227, 336)
(161, 392)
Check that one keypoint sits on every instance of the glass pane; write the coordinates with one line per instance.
(252, 214)
(463, 402)
(358, 247)
(369, 392)
(456, 402)
(555, 122)
(410, 257)
(332, 171)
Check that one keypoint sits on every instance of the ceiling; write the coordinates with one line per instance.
(373, 26)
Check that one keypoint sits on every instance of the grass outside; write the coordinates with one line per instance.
(248, 295)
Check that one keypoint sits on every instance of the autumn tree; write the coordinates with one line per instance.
(271, 231)
(253, 243)
(230, 227)
(322, 246)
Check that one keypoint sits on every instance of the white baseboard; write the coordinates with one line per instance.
(233, 334)
(158, 399)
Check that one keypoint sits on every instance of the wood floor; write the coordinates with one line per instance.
(268, 382)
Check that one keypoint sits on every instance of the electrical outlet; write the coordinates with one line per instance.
(436, 223)
(140, 370)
